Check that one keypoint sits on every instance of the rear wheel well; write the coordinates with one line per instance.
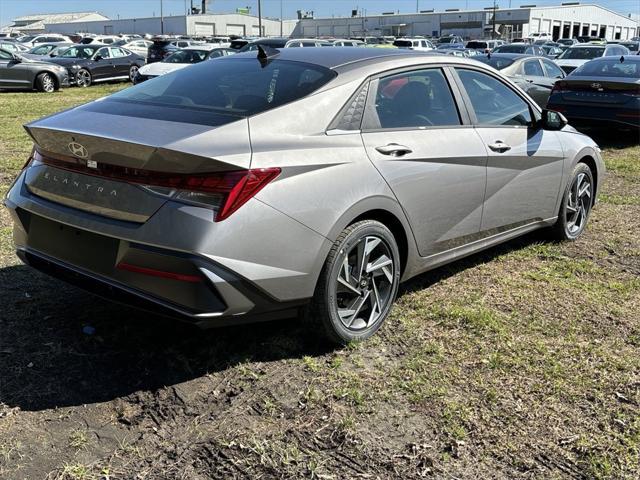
(591, 163)
(389, 220)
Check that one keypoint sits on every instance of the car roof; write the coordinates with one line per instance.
(627, 58)
(338, 57)
(513, 56)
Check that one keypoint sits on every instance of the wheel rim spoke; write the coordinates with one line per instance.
(365, 283)
(578, 204)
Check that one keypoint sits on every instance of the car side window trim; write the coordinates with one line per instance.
(463, 114)
(536, 112)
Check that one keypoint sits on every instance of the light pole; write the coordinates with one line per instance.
(161, 19)
(281, 20)
(260, 18)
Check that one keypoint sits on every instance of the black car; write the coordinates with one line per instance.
(523, 48)
(19, 73)
(269, 42)
(534, 75)
(602, 93)
(88, 64)
(161, 49)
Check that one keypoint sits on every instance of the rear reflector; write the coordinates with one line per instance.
(224, 192)
(158, 273)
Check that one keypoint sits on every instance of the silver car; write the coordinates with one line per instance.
(307, 180)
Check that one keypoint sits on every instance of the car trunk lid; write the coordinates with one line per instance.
(99, 162)
(598, 90)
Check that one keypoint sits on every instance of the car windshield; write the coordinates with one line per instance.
(609, 68)
(78, 52)
(403, 43)
(119, 43)
(496, 62)
(512, 49)
(28, 38)
(582, 53)
(477, 45)
(446, 40)
(187, 56)
(214, 93)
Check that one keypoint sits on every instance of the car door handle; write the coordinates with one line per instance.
(499, 147)
(394, 150)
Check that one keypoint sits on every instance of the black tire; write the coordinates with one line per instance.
(565, 229)
(83, 78)
(45, 82)
(133, 71)
(323, 311)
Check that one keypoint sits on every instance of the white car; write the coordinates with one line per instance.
(104, 39)
(414, 44)
(186, 43)
(180, 59)
(31, 41)
(307, 42)
(546, 36)
(343, 42)
(578, 55)
(139, 47)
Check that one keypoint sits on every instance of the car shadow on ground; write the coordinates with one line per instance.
(49, 358)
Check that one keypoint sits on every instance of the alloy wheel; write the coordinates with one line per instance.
(83, 78)
(48, 84)
(133, 71)
(364, 284)
(578, 204)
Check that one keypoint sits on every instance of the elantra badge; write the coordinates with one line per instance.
(78, 150)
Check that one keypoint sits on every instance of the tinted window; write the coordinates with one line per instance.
(477, 45)
(609, 68)
(553, 70)
(4, 55)
(403, 43)
(42, 50)
(511, 49)
(104, 53)
(78, 52)
(414, 99)
(233, 88)
(117, 52)
(582, 53)
(187, 56)
(496, 62)
(494, 102)
(533, 68)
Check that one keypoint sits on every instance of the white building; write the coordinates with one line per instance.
(564, 21)
(30, 24)
(197, 25)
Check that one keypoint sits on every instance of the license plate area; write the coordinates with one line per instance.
(77, 247)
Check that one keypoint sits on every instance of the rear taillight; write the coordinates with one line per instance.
(560, 87)
(632, 92)
(223, 192)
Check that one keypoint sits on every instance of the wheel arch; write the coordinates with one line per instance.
(389, 213)
(590, 162)
(40, 72)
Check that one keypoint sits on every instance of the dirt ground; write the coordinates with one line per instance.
(522, 362)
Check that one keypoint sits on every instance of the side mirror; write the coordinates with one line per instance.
(98, 57)
(15, 58)
(552, 120)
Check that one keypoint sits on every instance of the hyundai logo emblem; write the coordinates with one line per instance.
(78, 150)
(597, 86)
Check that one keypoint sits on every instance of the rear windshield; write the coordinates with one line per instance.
(582, 53)
(609, 68)
(187, 56)
(495, 62)
(214, 93)
(403, 43)
(512, 49)
(446, 40)
(477, 45)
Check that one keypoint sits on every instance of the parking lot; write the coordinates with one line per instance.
(519, 362)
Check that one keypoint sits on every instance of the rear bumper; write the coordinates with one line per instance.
(597, 116)
(256, 265)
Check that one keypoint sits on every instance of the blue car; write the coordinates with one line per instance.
(600, 93)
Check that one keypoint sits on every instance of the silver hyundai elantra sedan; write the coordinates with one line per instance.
(297, 181)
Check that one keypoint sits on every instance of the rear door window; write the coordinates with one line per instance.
(552, 69)
(533, 68)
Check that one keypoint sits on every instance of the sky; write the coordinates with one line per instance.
(271, 8)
